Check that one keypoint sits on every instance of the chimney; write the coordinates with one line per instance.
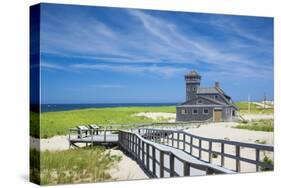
(217, 84)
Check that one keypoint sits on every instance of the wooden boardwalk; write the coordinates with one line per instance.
(169, 153)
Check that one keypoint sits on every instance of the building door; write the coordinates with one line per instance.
(217, 115)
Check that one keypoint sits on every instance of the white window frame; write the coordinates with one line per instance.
(204, 111)
(195, 113)
(184, 111)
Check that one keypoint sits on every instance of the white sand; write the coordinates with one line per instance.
(224, 130)
(251, 117)
(55, 143)
(127, 169)
(161, 116)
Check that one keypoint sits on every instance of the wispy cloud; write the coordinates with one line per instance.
(147, 43)
(53, 66)
(154, 69)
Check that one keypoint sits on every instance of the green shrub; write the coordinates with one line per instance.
(268, 161)
(214, 155)
(260, 141)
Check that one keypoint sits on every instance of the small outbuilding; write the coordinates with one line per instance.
(205, 103)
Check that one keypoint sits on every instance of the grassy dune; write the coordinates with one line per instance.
(57, 123)
(243, 107)
(72, 166)
(258, 125)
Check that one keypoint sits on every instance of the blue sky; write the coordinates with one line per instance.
(113, 55)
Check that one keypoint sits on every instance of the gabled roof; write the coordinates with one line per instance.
(213, 101)
(207, 90)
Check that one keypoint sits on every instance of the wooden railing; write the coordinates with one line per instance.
(186, 142)
(159, 162)
(87, 135)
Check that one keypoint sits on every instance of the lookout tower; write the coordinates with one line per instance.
(192, 81)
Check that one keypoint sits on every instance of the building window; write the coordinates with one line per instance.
(194, 111)
(183, 111)
(194, 89)
(233, 113)
(216, 96)
(205, 111)
(199, 101)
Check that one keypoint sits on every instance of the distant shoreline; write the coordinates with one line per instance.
(67, 107)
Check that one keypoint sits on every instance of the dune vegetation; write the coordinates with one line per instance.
(254, 108)
(71, 166)
(257, 125)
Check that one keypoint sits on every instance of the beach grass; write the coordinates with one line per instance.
(57, 123)
(72, 166)
(254, 108)
(265, 125)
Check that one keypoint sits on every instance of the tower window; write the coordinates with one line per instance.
(194, 111)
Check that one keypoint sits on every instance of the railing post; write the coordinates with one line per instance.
(178, 140)
(172, 139)
(172, 165)
(183, 142)
(237, 158)
(191, 144)
(186, 169)
(161, 161)
(153, 161)
(147, 156)
(136, 146)
(142, 151)
(139, 148)
(210, 151)
(92, 137)
(222, 154)
(199, 150)
(257, 159)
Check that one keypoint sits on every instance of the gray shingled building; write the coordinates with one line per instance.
(205, 103)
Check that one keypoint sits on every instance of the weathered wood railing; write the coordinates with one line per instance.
(161, 162)
(91, 136)
(186, 142)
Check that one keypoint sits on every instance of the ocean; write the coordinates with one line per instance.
(64, 107)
